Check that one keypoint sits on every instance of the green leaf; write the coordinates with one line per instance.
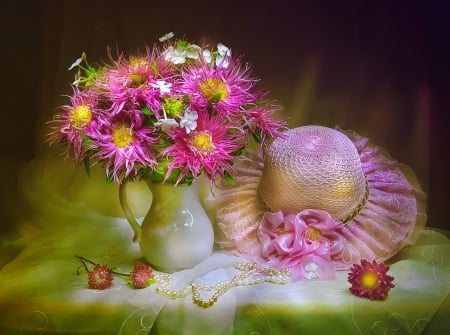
(87, 165)
(215, 98)
(91, 71)
(87, 141)
(109, 180)
(157, 175)
(210, 108)
(233, 131)
(257, 137)
(129, 281)
(237, 153)
(146, 110)
(182, 44)
(173, 176)
(187, 179)
(154, 68)
(91, 74)
(229, 178)
(263, 103)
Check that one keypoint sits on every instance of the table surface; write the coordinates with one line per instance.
(61, 214)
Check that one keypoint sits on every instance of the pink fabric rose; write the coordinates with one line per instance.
(303, 242)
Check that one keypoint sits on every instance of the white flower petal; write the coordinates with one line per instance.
(166, 124)
(166, 37)
(176, 56)
(311, 267)
(192, 51)
(189, 120)
(311, 271)
(162, 85)
(77, 78)
(76, 63)
(223, 50)
(76, 82)
(207, 57)
(222, 61)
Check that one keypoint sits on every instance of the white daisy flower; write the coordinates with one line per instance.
(175, 55)
(164, 87)
(189, 121)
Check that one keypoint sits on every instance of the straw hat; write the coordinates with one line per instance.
(377, 200)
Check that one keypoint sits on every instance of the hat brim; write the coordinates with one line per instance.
(391, 219)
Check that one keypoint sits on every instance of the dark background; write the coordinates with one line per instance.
(378, 67)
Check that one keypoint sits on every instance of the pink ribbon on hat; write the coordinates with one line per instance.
(304, 242)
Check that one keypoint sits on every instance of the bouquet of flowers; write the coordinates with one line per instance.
(167, 113)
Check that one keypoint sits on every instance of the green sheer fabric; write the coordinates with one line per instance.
(63, 212)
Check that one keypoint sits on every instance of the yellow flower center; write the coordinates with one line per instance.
(139, 63)
(80, 116)
(214, 90)
(202, 142)
(369, 279)
(312, 234)
(122, 136)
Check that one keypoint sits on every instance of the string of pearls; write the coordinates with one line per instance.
(250, 274)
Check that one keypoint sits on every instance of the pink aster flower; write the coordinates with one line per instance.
(100, 277)
(124, 144)
(135, 80)
(166, 113)
(208, 148)
(226, 88)
(370, 280)
(261, 121)
(141, 276)
(303, 242)
(76, 121)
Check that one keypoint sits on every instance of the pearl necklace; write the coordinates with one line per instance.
(251, 274)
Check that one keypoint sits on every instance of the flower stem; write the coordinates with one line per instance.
(84, 260)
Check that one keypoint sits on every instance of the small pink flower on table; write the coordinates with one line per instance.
(100, 277)
(141, 276)
(303, 242)
(370, 280)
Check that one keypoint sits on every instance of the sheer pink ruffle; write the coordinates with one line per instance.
(391, 219)
(393, 215)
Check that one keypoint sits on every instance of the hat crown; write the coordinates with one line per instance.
(313, 167)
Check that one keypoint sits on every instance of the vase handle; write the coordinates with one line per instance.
(127, 212)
